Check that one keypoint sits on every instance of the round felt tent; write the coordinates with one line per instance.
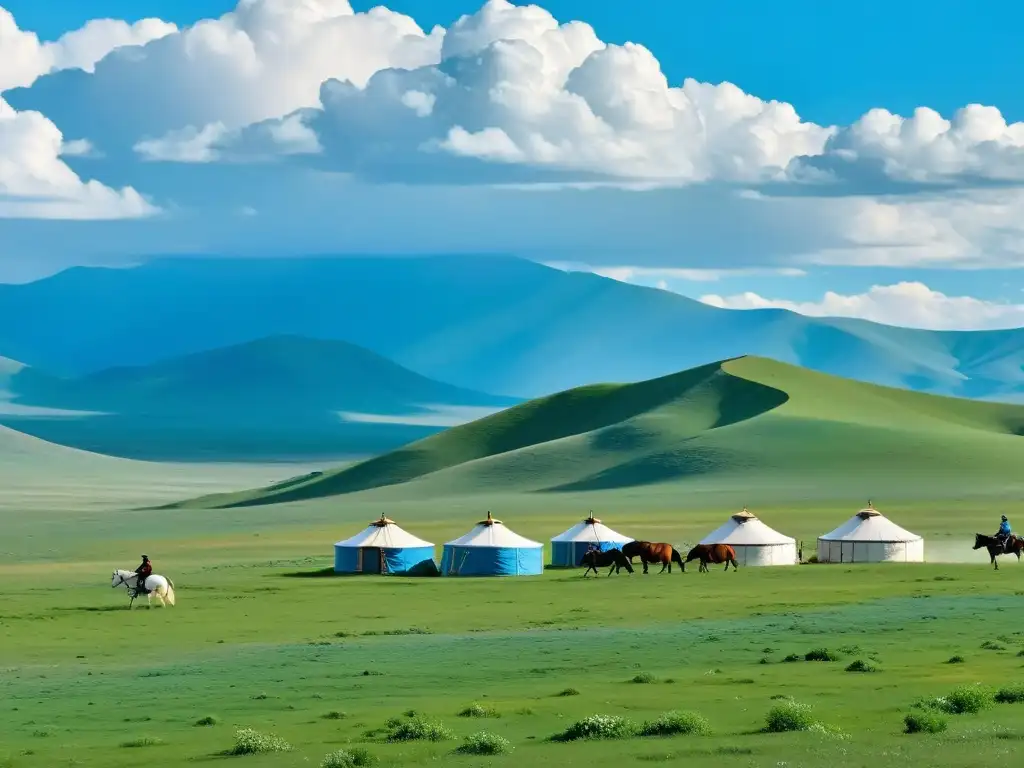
(491, 549)
(569, 547)
(754, 542)
(384, 548)
(870, 537)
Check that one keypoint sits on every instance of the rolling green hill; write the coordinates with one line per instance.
(760, 420)
(276, 398)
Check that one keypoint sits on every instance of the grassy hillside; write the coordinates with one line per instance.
(499, 325)
(272, 398)
(749, 419)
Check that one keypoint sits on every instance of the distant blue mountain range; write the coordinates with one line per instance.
(490, 324)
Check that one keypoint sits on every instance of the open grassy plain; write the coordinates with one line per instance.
(262, 638)
(324, 663)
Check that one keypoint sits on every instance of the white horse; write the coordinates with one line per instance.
(157, 585)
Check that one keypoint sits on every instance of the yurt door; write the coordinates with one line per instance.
(373, 559)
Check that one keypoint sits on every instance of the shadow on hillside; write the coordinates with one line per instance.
(656, 468)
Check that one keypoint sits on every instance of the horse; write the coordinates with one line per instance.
(713, 553)
(613, 557)
(1013, 546)
(160, 586)
(651, 552)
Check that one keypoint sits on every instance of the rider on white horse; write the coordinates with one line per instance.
(144, 571)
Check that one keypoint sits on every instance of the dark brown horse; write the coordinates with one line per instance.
(1013, 546)
(595, 559)
(653, 552)
(713, 553)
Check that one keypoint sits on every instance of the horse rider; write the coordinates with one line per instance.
(144, 571)
(1004, 532)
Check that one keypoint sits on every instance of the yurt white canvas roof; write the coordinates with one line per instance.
(870, 525)
(591, 530)
(744, 528)
(386, 534)
(492, 533)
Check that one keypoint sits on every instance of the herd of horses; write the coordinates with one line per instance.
(657, 552)
(666, 554)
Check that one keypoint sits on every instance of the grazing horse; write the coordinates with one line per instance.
(653, 552)
(1013, 546)
(713, 553)
(162, 587)
(595, 559)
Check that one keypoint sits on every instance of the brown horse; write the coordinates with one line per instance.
(1013, 546)
(713, 553)
(650, 552)
(595, 559)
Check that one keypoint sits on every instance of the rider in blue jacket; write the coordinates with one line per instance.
(1004, 531)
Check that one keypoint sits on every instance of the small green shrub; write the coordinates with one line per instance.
(676, 724)
(644, 679)
(789, 716)
(991, 645)
(792, 657)
(143, 742)
(956, 660)
(334, 714)
(251, 742)
(1010, 695)
(205, 722)
(568, 692)
(963, 700)
(821, 654)
(598, 727)
(924, 722)
(484, 743)
(1020, 654)
(348, 758)
(419, 729)
(478, 710)
(861, 666)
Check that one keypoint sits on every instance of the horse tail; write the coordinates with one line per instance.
(170, 592)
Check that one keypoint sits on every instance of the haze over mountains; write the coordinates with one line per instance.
(490, 324)
(748, 422)
(277, 397)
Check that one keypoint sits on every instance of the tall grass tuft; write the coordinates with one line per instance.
(789, 716)
(348, 758)
(418, 729)
(252, 742)
(484, 743)
(598, 727)
(924, 722)
(676, 724)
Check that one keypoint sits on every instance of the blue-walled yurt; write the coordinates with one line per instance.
(567, 549)
(385, 548)
(491, 549)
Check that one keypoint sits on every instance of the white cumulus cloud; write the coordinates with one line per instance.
(35, 183)
(976, 144)
(511, 86)
(907, 304)
(24, 57)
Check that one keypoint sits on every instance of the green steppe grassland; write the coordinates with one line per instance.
(814, 665)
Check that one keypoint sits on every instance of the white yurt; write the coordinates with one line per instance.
(755, 543)
(870, 537)
(491, 549)
(384, 547)
(568, 548)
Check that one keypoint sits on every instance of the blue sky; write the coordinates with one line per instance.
(741, 213)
